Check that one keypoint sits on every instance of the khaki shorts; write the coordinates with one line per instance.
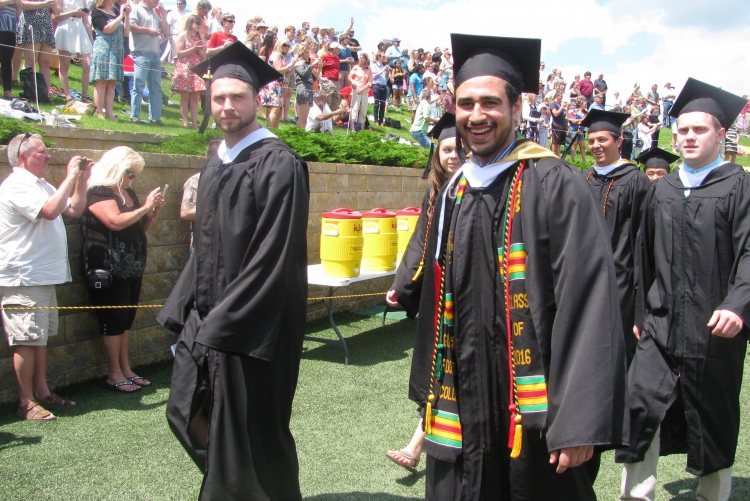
(29, 327)
(413, 104)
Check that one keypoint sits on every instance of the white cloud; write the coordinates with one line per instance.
(685, 42)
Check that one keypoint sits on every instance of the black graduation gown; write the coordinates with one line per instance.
(694, 259)
(239, 352)
(410, 291)
(572, 291)
(624, 204)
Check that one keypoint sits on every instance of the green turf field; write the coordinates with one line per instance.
(119, 447)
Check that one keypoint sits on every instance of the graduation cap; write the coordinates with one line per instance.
(444, 128)
(600, 120)
(700, 96)
(515, 60)
(237, 61)
(656, 158)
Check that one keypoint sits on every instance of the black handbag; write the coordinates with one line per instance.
(97, 278)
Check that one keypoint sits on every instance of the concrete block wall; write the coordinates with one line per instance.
(76, 353)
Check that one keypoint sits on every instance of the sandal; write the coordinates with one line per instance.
(115, 387)
(55, 402)
(35, 413)
(396, 455)
(136, 378)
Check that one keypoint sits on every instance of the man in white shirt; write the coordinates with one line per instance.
(215, 24)
(174, 20)
(33, 258)
(320, 118)
(314, 35)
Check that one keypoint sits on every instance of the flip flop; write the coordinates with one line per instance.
(35, 413)
(393, 456)
(55, 402)
(136, 378)
(114, 387)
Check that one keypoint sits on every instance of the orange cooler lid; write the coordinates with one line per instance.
(378, 212)
(342, 213)
(409, 211)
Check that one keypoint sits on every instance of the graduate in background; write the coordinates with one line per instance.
(619, 189)
(407, 286)
(656, 163)
(693, 305)
(245, 293)
(519, 360)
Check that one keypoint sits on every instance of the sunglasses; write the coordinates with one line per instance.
(25, 137)
(229, 21)
(130, 175)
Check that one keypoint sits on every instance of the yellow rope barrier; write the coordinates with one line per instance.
(16, 308)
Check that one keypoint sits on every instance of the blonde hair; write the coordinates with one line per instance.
(280, 43)
(187, 22)
(110, 170)
(300, 49)
(367, 58)
(100, 3)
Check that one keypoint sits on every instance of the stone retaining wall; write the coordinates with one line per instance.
(76, 353)
(69, 138)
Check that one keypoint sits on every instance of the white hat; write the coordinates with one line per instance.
(334, 45)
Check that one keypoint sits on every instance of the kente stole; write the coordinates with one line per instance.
(528, 388)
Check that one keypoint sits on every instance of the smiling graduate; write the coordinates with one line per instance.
(519, 363)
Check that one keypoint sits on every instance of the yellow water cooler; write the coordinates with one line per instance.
(381, 240)
(406, 221)
(341, 243)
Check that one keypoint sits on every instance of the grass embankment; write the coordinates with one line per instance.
(114, 446)
(345, 147)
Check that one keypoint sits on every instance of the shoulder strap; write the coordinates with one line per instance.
(85, 249)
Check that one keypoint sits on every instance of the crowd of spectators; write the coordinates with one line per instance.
(554, 114)
(311, 58)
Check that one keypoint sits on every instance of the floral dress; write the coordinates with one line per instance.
(109, 50)
(270, 95)
(40, 20)
(184, 79)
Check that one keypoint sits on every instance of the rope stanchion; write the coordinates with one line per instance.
(36, 85)
(147, 306)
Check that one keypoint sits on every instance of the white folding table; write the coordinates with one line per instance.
(315, 276)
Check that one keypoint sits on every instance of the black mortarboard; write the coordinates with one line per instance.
(444, 128)
(700, 96)
(515, 60)
(600, 120)
(656, 158)
(237, 61)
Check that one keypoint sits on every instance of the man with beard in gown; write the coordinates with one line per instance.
(519, 362)
(619, 189)
(693, 306)
(242, 298)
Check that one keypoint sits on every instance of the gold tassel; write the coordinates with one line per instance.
(517, 438)
(419, 272)
(428, 415)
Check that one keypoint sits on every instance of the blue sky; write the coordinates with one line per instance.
(643, 41)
